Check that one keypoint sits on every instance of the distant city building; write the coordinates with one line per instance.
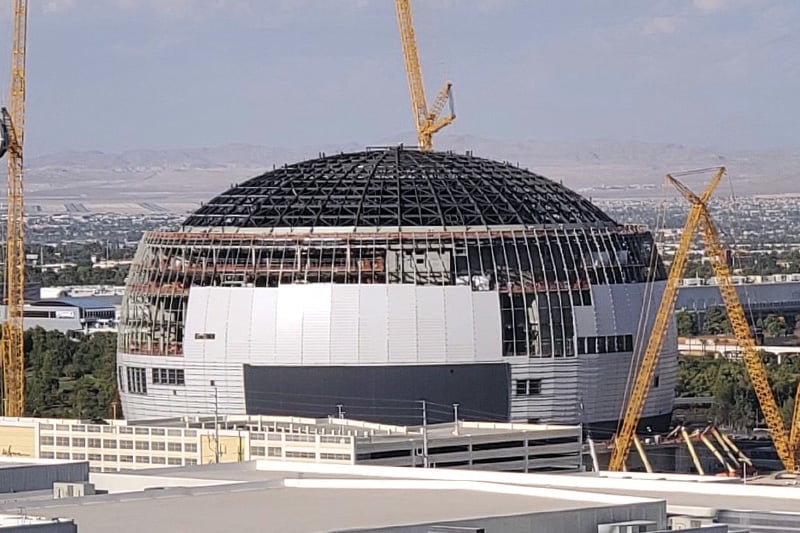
(84, 309)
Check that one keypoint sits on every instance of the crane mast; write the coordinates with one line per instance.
(12, 345)
(427, 120)
(655, 343)
(786, 445)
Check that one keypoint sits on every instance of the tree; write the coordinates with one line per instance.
(775, 326)
(716, 321)
(686, 324)
(71, 377)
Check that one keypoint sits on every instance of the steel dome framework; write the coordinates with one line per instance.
(397, 188)
(394, 216)
(430, 274)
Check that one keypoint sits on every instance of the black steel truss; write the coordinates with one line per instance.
(397, 187)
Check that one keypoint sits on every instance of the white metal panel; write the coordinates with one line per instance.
(585, 325)
(317, 324)
(402, 330)
(195, 397)
(240, 309)
(344, 324)
(604, 310)
(217, 310)
(195, 322)
(263, 323)
(372, 324)
(431, 327)
(289, 330)
(460, 333)
(486, 320)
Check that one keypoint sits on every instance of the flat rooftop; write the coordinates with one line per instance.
(307, 497)
(246, 498)
(358, 428)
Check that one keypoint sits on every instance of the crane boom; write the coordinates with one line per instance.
(744, 338)
(786, 445)
(426, 120)
(655, 343)
(12, 345)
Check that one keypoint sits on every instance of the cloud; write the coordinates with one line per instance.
(710, 6)
(661, 25)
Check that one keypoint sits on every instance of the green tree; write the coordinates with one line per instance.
(686, 324)
(69, 376)
(716, 321)
(775, 326)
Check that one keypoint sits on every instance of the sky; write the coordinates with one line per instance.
(114, 75)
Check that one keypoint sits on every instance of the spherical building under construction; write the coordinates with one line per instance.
(363, 283)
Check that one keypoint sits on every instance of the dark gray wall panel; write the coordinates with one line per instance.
(385, 394)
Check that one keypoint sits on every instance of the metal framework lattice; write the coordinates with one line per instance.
(397, 187)
(540, 275)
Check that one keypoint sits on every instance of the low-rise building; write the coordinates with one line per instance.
(116, 445)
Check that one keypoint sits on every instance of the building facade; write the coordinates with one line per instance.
(116, 445)
(368, 282)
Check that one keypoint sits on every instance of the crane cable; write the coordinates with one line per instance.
(646, 310)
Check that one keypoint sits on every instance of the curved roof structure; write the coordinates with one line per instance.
(397, 187)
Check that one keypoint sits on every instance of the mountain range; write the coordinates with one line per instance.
(179, 179)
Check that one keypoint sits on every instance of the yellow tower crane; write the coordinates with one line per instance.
(12, 345)
(787, 445)
(427, 120)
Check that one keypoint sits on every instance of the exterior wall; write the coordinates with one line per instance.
(22, 478)
(752, 295)
(380, 393)
(18, 440)
(63, 318)
(529, 448)
(325, 324)
(209, 304)
(42, 525)
(110, 448)
(578, 520)
(118, 446)
(196, 396)
(591, 387)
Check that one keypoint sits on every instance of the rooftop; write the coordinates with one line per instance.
(354, 497)
(252, 497)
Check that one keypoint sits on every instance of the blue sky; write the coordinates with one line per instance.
(113, 75)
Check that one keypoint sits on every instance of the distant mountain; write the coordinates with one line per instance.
(186, 177)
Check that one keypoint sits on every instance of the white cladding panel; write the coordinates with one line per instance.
(263, 322)
(431, 327)
(487, 330)
(373, 344)
(217, 312)
(240, 306)
(195, 322)
(402, 324)
(289, 329)
(345, 323)
(460, 344)
(324, 324)
(196, 397)
(362, 324)
(317, 324)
